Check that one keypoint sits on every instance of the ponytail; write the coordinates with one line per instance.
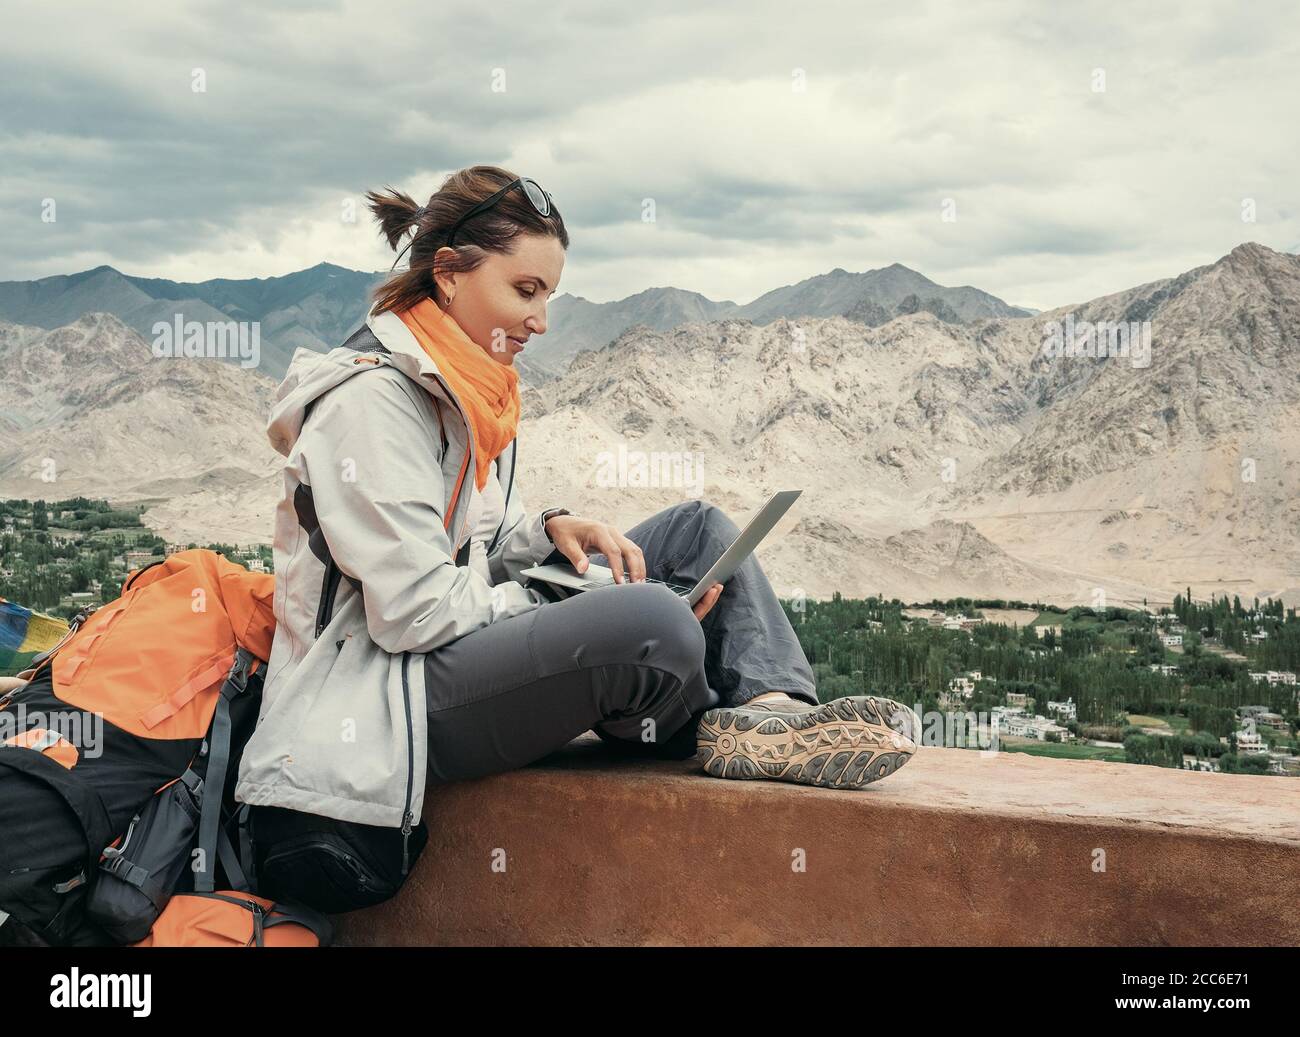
(395, 210)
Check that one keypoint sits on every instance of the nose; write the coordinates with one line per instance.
(536, 322)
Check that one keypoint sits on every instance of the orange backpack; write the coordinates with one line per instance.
(118, 758)
(233, 919)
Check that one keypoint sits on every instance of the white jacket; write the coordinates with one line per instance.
(367, 483)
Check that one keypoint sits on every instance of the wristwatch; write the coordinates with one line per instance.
(549, 514)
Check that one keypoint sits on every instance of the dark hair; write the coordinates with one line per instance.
(491, 231)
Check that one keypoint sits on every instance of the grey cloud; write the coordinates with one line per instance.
(310, 102)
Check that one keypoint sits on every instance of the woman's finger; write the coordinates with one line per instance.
(635, 558)
(572, 550)
(613, 552)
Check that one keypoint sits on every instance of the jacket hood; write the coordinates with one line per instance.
(312, 374)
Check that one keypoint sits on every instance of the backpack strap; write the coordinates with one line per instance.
(277, 914)
(214, 776)
(243, 821)
(363, 340)
(230, 862)
(318, 923)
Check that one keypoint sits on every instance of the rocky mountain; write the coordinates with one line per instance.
(938, 457)
(87, 409)
(1087, 476)
(864, 419)
(319, 307)
(837, 292)
(868, 311)
(872, 297)
(315, 308)
(1185, 469)
(575, 325)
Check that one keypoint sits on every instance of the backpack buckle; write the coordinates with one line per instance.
(72, 883)
(237, 678)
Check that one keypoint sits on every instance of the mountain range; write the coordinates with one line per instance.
(315, 308)
(872, 297)
(941, 451)
(318, 308)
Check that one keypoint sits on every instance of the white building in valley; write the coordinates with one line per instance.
(1273, 677)
(1065, 710)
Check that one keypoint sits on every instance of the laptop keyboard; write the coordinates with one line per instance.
(676, 588)
(680, 589)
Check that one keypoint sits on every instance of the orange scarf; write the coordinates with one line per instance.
(488, 391)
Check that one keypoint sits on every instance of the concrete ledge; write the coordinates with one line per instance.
(955, 848)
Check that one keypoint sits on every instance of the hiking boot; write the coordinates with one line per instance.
(846, 743)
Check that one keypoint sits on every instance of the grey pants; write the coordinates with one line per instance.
(629, 661)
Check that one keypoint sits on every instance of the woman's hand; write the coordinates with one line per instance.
(576, 536)
(701, 607)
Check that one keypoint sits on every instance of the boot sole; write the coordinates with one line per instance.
(844, 744)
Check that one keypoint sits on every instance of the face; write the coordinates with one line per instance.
(503, 303)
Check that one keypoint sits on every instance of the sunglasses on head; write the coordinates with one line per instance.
(534, 191)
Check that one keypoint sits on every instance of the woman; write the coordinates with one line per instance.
(399, 545)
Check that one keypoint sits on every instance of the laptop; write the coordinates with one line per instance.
(562, 574)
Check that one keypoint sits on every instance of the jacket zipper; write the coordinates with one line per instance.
(469, 439)
(505, 510)
(353, 865)
(328, 591)
(410, 768)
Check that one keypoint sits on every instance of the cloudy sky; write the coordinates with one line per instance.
(1083, 148)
